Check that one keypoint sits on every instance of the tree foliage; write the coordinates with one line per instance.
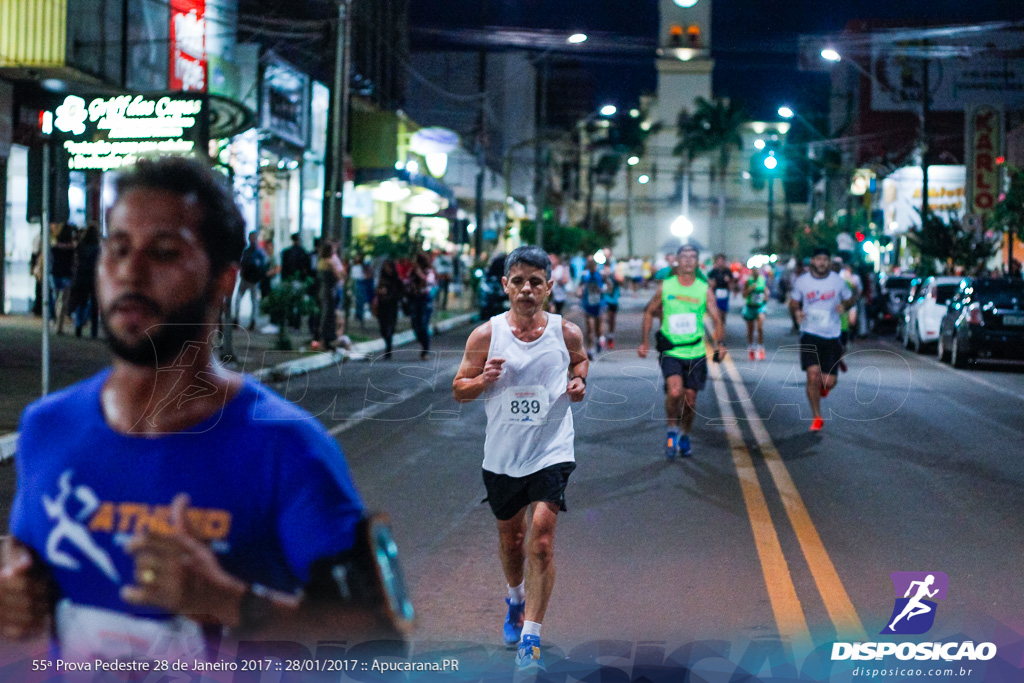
(1009, 212)
(567, 239)
(944, 245)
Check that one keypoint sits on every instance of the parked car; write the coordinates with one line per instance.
(924, 312)
(891, 301)
(912, 293)
(491, 294)
(985, 320)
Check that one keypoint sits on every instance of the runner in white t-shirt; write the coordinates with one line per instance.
(529, 366)
(818, 299)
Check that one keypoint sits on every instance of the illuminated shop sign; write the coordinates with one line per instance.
(188, 45)
(104, 133)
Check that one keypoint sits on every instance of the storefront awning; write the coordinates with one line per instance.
(366, 176)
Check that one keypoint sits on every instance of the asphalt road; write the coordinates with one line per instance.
(768, 534)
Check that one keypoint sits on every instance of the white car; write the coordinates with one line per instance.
(924, 313)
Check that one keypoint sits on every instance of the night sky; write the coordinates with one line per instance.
(755, 41)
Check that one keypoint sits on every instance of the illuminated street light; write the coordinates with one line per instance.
(633, 161)
(770, 162)
(786, 112)
(634, 113)
(830, 54)
(577, 38)
(682, 227)
(644, 179)
(608, 110)
(759, 144)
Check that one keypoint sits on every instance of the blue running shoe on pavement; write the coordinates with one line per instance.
(528, 655)
(684, 446)
(513, 628)
(672, 445)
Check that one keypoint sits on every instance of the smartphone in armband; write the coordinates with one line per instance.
(369, 576)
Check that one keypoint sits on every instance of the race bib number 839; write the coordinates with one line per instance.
(525, 404)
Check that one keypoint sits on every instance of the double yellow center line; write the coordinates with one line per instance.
(786, 606)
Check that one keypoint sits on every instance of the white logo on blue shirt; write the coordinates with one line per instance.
(73, 530)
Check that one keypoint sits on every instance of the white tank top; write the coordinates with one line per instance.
(529, 423)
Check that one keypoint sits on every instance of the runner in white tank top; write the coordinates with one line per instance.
(529, 366)
(529, 424)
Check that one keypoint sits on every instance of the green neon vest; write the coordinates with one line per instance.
(686, 329)
(757, 295)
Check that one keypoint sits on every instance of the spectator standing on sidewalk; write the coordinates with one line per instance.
(388, 298)
(443, 269)
(296, 266)
(328, 275)
(362, 278)
(253, 268)
(203, 549)
(83, 287)
(422, 281)
(62, 273)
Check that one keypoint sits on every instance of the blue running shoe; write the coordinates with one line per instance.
(672, 445)
(513, 628)
(684, 446)
(528, 654)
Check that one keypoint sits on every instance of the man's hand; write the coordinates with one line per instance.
(492, 370)
(800, 315)
(576, 389)
(643, 349)
(178, 572)
(25, 596)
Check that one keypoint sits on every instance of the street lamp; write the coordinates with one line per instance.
(786, 113)
(608, 110)
(771, 163)
(829, 54)
(682, 227)
(633, 160)
(540, 187)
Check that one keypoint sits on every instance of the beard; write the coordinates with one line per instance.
(163, 342)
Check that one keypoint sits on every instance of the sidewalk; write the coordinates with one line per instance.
(73, 359)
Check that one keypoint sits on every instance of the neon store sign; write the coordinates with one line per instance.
(110, 132)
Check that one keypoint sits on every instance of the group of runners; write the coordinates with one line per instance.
(530, 365)
(278, 550)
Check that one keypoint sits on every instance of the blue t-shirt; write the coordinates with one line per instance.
(611, 296)
(593, 285)
(270, 491)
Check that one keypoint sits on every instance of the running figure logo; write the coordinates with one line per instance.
(73, 530)
(914, 612)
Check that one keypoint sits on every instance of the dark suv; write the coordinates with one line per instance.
(889, 305)
(985, 320)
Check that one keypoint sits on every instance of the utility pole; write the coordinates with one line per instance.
(339, 123)
(629, 211)
(481, 153)
(540, 176)
(925, 106)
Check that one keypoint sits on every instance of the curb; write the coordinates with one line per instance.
(360, 351)
(301, 366)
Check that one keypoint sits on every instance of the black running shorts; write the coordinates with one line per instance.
(694, 371)
(821, 351)
(508, 495)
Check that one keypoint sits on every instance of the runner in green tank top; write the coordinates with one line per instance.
(680, 303)
(756, 293)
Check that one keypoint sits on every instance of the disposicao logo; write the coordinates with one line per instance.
(913, 614)
(916, 593)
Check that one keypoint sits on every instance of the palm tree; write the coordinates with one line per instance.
(712, 130)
